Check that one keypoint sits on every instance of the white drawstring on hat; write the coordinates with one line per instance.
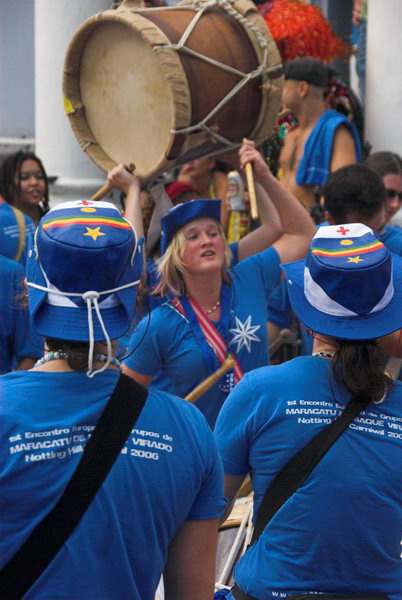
(90, 297)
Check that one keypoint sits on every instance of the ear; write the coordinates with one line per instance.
(328, 217)
(211, 162)
(303, 89)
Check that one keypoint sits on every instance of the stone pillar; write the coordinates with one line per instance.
(55, 22)
(383, 76)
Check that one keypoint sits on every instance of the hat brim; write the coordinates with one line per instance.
(184, 213)
(371, 326)
(71, 323)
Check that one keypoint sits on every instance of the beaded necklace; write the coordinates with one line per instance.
(323, 354)
(59, 355)
(211, 310)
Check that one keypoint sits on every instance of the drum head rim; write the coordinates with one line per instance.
(176, 82)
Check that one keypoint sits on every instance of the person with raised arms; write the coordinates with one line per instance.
(216, 311)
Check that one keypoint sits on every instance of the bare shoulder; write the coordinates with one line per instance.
(344, 149)
(344, 134)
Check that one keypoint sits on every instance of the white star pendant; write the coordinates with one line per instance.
(244, 334)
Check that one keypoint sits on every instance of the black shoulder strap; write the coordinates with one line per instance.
(296, 471)
(101, 451)
(299, 467)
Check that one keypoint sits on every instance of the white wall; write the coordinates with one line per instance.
(384, 75)
(55, 22)
(17, 101)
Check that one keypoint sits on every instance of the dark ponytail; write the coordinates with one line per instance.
(358, 365)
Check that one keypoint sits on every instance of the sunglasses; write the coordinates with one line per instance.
(392, 193)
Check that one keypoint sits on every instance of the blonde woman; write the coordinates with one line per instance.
(215, 310)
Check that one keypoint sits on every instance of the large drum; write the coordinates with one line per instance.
(159, 87)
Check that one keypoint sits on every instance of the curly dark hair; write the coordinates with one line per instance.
(10, 168)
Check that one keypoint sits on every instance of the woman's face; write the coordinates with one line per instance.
(204, 251)
(31, 184)
(200, 167)
(393, 186)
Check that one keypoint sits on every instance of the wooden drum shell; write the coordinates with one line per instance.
(126, 94)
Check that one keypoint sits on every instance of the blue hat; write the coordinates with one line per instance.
(350, 285)
(83, 270)
(184, 213)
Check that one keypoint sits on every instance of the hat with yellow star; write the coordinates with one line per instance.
(349, 286)
(83, 270)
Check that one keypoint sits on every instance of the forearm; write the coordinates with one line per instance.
(133, 212)
(268, 232)
(190, 568)
(268, 213)
(129, 184)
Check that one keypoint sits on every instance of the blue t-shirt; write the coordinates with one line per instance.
(10, 233)
(168, 341)
(168, 472)
(392, 238)
(341, 531)
(148, 303)
(17, 339)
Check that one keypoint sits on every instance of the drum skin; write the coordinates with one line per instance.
(127, 93)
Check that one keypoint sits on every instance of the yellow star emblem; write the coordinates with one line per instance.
(355, 259)
(93, 233)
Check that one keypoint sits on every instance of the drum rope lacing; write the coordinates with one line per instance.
(201, 6)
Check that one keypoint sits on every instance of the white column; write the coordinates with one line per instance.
(17, 107)
(383, 76)
(56, 145)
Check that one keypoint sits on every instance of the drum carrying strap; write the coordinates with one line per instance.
(102, 449)
(296, 471)
(19, 217)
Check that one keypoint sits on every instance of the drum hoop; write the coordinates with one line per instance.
(260, 37)
(272, 84)
(171, 67)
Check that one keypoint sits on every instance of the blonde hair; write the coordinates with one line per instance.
(171, 267)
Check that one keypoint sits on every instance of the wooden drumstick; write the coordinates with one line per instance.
(105, 189)
(251, 188)
(209, 381)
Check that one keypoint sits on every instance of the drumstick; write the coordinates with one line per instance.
(105, 189)
(209, 381)
(251, 188)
